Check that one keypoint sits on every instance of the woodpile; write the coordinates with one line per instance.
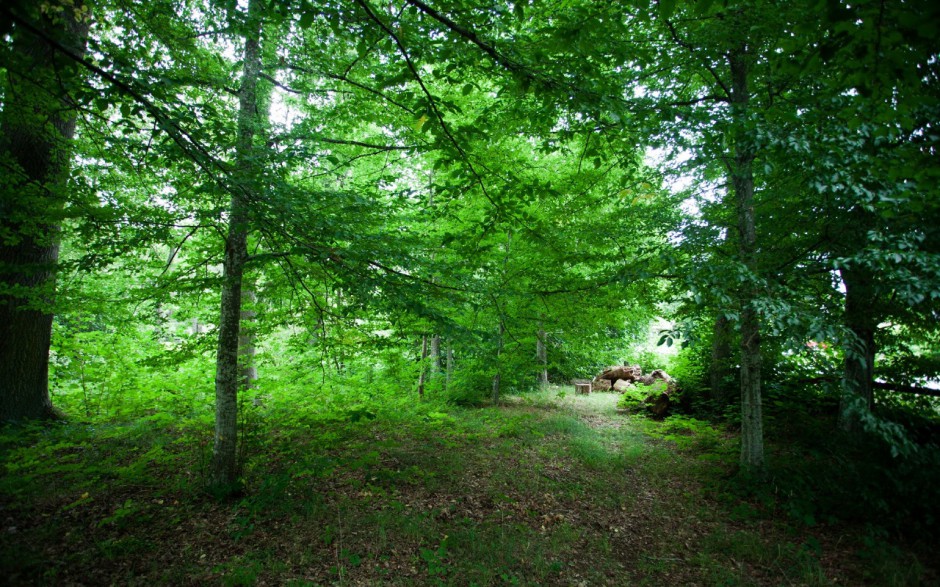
(623, 378)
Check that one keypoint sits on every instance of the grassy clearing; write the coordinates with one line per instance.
(549, 488)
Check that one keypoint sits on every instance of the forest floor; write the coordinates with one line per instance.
(546, 489)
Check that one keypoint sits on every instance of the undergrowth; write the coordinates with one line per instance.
(548, 488)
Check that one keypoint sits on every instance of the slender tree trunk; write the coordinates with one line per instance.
(36, 129)
(742, 181)
(497, 379)
(248, 370)
(435, 353)
(449, 373)
(860, 318)
(719, 370)
(541, 353)
(424, 359)
(223, 469)
(501, 329)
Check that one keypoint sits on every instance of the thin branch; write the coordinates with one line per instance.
(366, 145)
(198, 153)
(431, 101)
(176, 251)
(354, 83)
(694, 52)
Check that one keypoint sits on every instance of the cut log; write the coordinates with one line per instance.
(660, 374)
(582, 388)
(629, 373)
(601, 385)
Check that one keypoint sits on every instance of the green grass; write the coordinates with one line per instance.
(547, 489)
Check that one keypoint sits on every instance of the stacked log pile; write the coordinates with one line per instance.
(621, 378)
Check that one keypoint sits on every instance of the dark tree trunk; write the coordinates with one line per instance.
(223, 468)
(742, 182)
(424, 359)
(497, 378)
(719, 370)
(860, 318)
(435, 353)
(36, 129)
(449, 365)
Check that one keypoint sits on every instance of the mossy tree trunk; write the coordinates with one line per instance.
(742, 183)
(223, 468)
(859, 371)
(719, 370)
(36, 129)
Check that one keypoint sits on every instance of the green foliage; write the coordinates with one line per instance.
(822, 476)
(488, 177)
(633, 399)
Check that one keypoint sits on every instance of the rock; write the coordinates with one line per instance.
(622, 385)
(582, 388)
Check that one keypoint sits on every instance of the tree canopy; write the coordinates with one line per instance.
(467, 194)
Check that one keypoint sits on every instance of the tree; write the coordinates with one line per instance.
(36, 129)
(223, 474)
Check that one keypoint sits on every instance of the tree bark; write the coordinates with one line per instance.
(449, 366)
(497, 379)
(248, 370)
(742, 181)
(435, 356)
(859, 368)
(36, 129)
(541, 353)
(719, 370)
(424, 357)
(223, 468)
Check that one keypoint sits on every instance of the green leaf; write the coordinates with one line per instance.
(306, 19)
(704, 6)
(467, 89)
(666, 8)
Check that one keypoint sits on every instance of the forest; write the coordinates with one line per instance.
(299, 293)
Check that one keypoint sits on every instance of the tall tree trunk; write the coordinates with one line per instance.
(223, 468)
(248, 370)
(861, 320)
(424, 359)
(497, 379)
(719, 370)
(435, 353)
(449, 365)
(541, 353)
(742, 181)
(36, 129)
